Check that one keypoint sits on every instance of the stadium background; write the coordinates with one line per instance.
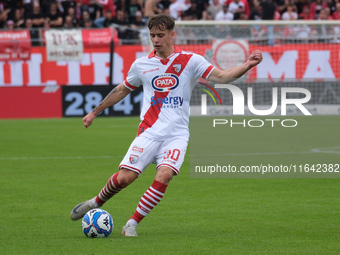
(299, 41)
(37, 82)
(49, 163)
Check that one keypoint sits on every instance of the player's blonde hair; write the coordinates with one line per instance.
(162, 22)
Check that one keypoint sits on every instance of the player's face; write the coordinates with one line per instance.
(162, 41)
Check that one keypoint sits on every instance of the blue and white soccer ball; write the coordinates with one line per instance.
(97, 223)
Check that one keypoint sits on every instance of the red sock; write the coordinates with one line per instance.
(149, 200)
(111, 188)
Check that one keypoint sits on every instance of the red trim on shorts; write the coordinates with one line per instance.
(130, 168)
(207, 72)
(170, 166)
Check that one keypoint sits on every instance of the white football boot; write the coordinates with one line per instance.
(129, 230)
(80, 210)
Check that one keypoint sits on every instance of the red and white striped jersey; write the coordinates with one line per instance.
(167, 86)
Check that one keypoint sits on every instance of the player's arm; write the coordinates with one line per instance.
(117, 94)
(226, 76)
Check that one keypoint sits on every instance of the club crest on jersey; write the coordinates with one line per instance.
(133, 158)
(177, 67)
(165, 82)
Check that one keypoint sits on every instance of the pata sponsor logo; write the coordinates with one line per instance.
(165, 82)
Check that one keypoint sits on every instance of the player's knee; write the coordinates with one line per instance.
(164, 175)
(126, 177)
(125, 181)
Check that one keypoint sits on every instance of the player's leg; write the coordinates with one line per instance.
(154, 193)
(169, 160)
(149, 200)
(138, 156)
(114, 185)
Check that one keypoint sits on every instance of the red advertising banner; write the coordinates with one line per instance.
(286, 63)
(35, 83)
(92, 70)
(30, 102)
(298, 62)
(99, 37)
(15, 45)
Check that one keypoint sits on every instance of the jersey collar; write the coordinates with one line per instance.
(153, 53)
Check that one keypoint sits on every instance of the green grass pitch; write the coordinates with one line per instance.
(47, 166)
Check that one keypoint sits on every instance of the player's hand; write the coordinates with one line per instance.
(88, 119)
(255, 58)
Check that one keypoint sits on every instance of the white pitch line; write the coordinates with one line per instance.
(316, 151)
(328, 150)
(59, 157)
(254, 154)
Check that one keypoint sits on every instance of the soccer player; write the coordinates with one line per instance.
(168, 76)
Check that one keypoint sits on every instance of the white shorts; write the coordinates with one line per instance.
(144, 151)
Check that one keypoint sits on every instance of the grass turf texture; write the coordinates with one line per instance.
(48, 166)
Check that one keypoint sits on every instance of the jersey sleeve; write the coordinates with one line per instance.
(202, 68)
(132, 81)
